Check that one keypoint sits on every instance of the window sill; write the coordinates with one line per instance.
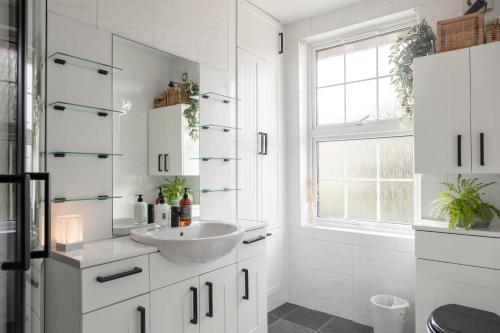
(366, 228)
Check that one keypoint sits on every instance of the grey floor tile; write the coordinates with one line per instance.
(309, 318)
(285, 326)
(271, 319)
(283, 310)
(338, 325)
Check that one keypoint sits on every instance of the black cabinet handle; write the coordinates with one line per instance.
(246, 296)
(210, 312)
(135, 270)
(159, 162)
(166, 162)
(281, 43)
(254, 240)
(261, 139)
(265, 145)
(195, 305)
(459, 146)
(142, 312)
(481, 148)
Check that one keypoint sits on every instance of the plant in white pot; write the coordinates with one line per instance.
(461, 204)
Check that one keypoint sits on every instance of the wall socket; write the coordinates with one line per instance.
(468, 3)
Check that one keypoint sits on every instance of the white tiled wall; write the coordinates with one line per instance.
(347, 267)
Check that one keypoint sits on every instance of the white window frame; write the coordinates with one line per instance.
(351, 131)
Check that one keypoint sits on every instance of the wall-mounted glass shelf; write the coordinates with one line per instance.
(226, 189)
(216, 96)
(99, 198)
(64, 153)
(101, 112)
(219, 127)
(8, 40)
(208, 158)
(8, 81)
(64, 58)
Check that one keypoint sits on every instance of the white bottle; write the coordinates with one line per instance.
(162, 213)
(140, 211)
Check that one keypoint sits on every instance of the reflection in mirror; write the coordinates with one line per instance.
(157, 134)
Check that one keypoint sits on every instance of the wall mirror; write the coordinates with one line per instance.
(156, 131)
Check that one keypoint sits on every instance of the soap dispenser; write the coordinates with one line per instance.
(186, 205)
(160, 194)
(140, 210)
(162, 212)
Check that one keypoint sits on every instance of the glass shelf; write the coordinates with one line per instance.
(8, 81)
(207, 158)
(226, 189)
(99, 197)
(8, 40)
(219, 127)
(64, 58)
(102, 112)
(216, 96)
(64, 153)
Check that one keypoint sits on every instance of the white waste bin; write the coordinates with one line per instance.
(390, 314)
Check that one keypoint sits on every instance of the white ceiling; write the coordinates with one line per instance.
(287, 11)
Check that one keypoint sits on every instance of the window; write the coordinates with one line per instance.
(362, 157)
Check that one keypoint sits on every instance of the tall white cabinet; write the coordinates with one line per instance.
(456, 111)
(260, 138)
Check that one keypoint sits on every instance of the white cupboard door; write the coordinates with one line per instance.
(268, 186)
(247, 181)
(174, 309)
(218, 301)
(252, 296)
(485, 107)
(274, 256)
(247, 93)
(442, 113)
(440, 283)
(268, 101)
(131, 316)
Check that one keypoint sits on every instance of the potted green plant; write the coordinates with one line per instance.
(419, 41)
(173, 190)
(191, 113)
(461, 204)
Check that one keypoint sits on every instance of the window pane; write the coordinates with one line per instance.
(389, 107)
(331, 202)
(330, 105)
(361, 159)
(361, 60)
(330, 66)
(362, 200)
(384, 51)
(396, 202)
(396, 158)
(361, 101)
(331, 159)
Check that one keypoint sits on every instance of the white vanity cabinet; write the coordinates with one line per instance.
(456, 111)
(171, 151)
(119, 286)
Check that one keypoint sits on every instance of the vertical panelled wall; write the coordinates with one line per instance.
(199, 30)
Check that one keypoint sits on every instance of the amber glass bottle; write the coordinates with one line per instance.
(185, 205)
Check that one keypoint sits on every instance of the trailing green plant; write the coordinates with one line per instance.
(419, 41)
(173, 189)
(462, 203)
(191, 113)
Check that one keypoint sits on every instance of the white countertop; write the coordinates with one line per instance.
(440, 226)
(108, 250)
(103, 251)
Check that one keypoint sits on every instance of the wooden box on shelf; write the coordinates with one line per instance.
(161, 100)
(493, 31)
(460, 32)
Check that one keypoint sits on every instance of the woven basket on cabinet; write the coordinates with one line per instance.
(493, 31)
(460, 32)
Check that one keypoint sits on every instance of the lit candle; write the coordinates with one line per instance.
(69, 232)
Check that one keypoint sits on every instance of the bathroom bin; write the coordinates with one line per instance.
(390, 314)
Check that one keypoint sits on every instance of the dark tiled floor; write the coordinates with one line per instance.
(291, 318)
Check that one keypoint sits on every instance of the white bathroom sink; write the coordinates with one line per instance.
(198, 243)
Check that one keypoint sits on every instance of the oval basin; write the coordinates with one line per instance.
(198, 243)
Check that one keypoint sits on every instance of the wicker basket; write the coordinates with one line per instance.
(460, 32)
(493, 31)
